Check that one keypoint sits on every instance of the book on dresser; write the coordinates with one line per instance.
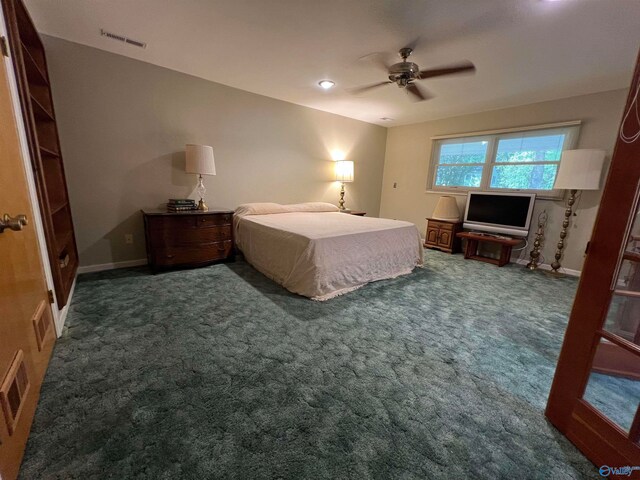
(189, 238)
(181, 205)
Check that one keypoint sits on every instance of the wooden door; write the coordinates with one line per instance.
(595, 396)
(26, 323)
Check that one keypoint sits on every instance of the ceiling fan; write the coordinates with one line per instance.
(405, 73)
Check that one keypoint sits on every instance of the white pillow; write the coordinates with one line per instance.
(259, 209)
(311, 207)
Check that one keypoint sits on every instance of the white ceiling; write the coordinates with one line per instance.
(525, 51)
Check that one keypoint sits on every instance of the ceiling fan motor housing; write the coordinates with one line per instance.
(403, 73)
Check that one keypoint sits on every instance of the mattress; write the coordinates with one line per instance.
(324, 254)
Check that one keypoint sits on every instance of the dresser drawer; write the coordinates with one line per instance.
(205, 221)
(173, 222)
(177, 222)
(441, 225)
(193, 236)
(193, 254)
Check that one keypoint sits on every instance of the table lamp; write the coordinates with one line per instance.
(446, 209)
(344, 174)
(199, 160)
(579, 170)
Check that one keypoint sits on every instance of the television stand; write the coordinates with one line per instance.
(474, 239)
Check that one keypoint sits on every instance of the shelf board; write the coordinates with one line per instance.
(632, 256)
(57, 208)
(32, 67)
(40, 112)
(48, 152)
(627, 293)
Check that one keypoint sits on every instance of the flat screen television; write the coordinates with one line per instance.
(502, 213)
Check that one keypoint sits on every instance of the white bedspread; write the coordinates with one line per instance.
(321, 255)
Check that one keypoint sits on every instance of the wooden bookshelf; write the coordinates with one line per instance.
(30, 63)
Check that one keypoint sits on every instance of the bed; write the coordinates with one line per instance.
(316, 251)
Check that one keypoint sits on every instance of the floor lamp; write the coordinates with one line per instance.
(579, 170)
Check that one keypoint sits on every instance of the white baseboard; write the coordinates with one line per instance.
(546, 266)
(112, 266)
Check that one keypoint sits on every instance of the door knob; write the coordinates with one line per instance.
(14, 224)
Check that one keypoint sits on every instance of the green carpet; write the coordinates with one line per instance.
(220, 373)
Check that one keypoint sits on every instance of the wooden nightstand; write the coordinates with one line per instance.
(441, 234)
(188, 239)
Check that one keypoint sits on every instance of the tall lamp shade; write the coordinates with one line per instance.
(344, 174)
(579, 170)
(199, 160)
(344, 171)
(446, 209)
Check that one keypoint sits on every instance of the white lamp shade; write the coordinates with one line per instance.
(200, 160)
(447, 209)
(580, 169)
(344, 171)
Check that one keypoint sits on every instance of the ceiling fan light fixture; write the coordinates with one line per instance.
(326, 84)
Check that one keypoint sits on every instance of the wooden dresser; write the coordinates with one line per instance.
(441, 234)
(188, 239)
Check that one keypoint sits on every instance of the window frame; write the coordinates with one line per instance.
(571, 130)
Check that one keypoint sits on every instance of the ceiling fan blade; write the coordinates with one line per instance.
(366, 88)
(448, 70)
(378, 60)
(417, 94)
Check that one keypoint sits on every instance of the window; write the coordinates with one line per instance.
(460, 163)
(522, 161)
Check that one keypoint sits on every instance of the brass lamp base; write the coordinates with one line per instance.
(202, 206)
(341, 206)
(555, 265)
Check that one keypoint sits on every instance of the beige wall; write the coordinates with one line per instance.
(124, 123)
(409, 151)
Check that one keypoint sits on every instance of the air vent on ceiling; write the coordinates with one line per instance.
(122, 38)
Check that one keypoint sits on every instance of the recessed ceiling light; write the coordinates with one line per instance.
(326, 84)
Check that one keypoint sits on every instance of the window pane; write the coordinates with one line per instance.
(459, 176)
(530, 148)
(524, 177)
(463, 152)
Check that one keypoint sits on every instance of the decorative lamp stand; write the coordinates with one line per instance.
(341, 201)
(537, 243)
(202, 190)
(555, 265)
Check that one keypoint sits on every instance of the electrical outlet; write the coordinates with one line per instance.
(128, 238)
(395, 184)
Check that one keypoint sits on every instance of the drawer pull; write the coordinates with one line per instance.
(170, 256)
